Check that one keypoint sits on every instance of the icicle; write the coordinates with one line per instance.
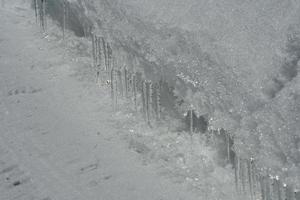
(256, 191)
(227, 136)
(105, 54)
(126, 82)
(250, 177)
(130, 84)
(158, 99)
(272, 184)
(243, 175)
(268, 189)
(99, 52)
(153, 100)
(96, 51)
(116, 91)
(284, 191)
(43, 14)
(134, 92)
(35, 10)
(144, 98)
(120, 84)
(64, 18)
(109, 56)
(93, 49)
(279, 189)
(236, 173)
(191, 122)
(98, 67)
(66, 14)
(262, 187)
(40, 12)
(148, 101)
(255, 183)
(112, 86)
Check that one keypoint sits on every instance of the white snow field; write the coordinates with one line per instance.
(234, 63)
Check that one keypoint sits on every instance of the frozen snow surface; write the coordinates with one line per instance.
(234, 62)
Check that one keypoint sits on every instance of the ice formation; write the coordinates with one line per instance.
(235, 64)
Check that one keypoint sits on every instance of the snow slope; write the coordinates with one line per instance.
(236, 62)
(61, 140)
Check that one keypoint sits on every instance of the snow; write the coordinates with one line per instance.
(235, 63)
(63, 139)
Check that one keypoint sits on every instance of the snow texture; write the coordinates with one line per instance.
(227, 69)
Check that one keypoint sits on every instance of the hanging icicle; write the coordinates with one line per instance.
(130, 84)
(134, 80)
(148, 101)
(144, 99)
(228, 146)
(109, 56)
(94, 49)
(250, 177)
(120, 83)
(254, 178)
(268, 188)
(158, 100)
(114, 88)
(36, 10)
(191, 124)
(105, 54)
(42, 10)
(256, 185)
(278, 188)
(99, 52)
(262, 187)
(236, 173)
(112, 85)
(64, 18)
(153, 99)
(243, 175)
(126, 82)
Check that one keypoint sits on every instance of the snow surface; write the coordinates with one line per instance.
(61, 140)
(236, 62)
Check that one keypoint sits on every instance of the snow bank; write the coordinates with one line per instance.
(236, 62)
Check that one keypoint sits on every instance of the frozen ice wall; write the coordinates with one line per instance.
(235, 61)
